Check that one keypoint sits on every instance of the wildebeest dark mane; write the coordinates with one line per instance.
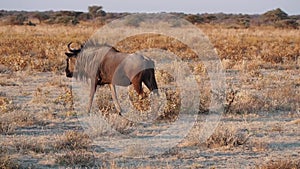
(91, 55)
(97, 45)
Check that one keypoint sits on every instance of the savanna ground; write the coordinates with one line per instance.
(259, 128)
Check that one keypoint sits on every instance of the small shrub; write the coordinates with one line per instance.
(25, 146)
(7, 127)
(18, 19)
(78, 158)
(274, 15)
(286, 24)
(4, 105)
(41, 16)
(96, 11)
(259, 146)
(65, 98)
(73, 140)
(6, 161)
(66, 20)
(227, 137)
(194, 18)
(281, 164)
(244, 102)
(10, 121)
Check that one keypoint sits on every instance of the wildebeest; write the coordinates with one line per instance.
(104, 64)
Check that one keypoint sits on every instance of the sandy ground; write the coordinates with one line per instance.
(41, 100)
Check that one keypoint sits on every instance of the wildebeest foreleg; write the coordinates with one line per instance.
(115, 99)
(92, 93)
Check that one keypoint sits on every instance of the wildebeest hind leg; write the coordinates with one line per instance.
(137, 85)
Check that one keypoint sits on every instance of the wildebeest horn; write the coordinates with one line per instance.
(73, 50)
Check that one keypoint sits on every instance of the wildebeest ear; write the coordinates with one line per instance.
(69, 54)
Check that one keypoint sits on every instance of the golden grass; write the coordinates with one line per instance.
(227, 137)
(281, 164)
(4, 104)
(7, 161)
(72, 140)
(18, 118)
(270, 45)
(77, 159)
(42, 48)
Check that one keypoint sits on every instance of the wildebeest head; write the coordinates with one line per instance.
(71, 60)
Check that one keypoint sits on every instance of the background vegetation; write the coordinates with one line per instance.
(275, 18)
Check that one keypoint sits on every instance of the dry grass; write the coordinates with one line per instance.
(251, 52)
(266, 44)
(11, 121)
(281, 164)
(41, 48)
(77, 159)
(32, 145)
(5, 104)
(228, 137)
(258, 146)
(65, 98)
(6, 161)
(72, 140)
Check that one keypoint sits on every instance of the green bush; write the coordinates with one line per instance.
(18, 19)
(274, 15)
(287, 23)
(194, 18)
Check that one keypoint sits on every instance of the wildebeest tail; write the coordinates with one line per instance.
(150, 80)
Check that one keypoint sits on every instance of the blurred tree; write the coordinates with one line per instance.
(279, 19)
(19, 19)
(209, 18)
(194, 18)
(275, 15)
(96, 11)
(287, 23)
(41, 16)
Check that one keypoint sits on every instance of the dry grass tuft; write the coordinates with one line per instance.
(66, 98)
(5, 105)
(25, 146)
(103, 99)
(6, 161)
(227, 137)
(77, 159)
(11, 121)
(281, 164)
(259, 146)
(72, 140)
